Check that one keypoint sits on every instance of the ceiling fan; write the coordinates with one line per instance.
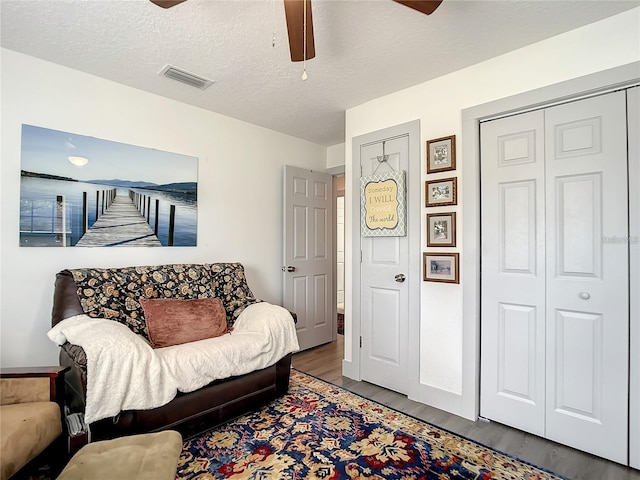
(296, 26)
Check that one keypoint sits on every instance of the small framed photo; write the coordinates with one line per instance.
(441, 267)
(441, 192)
(441, 154)
(441, 229)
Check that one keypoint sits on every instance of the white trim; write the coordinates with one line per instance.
(351, 368)
(618, 77)
(334, 259)
(336, 171)
(562, 101)
(633, 98)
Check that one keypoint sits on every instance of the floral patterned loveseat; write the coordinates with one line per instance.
(114, 293)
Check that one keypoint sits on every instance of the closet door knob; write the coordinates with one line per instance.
(584, 295)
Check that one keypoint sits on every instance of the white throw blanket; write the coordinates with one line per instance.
(125, 373)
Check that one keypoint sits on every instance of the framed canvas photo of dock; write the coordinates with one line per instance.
(441, 267)
(80, 191)
(441, 154)
(441, 229)
(441, 192)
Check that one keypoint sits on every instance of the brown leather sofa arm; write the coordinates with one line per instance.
(21, 384)
(65, 298)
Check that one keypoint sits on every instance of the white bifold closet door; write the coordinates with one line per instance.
(555, 319)
(513, 272)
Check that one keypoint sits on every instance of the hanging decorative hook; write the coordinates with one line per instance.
(384, 158)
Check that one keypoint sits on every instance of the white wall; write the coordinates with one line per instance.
(447, 369)
(335, 156)
(239, 194)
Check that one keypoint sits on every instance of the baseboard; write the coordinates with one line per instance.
(350, 370)
(445, 400)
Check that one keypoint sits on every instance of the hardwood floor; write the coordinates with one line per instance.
(325, 362)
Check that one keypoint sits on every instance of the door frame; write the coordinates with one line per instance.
(335, 172)
(570, 90)
(351, 363)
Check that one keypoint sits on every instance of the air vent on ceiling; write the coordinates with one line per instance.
(183, 76)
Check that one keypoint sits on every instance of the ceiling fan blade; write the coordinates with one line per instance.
(167, 3)
(294, 12)
(424, 6)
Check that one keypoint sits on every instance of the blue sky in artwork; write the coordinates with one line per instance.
(47, 151)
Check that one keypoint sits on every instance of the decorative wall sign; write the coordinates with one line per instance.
(441, 229)
(441, 267)
(441, 154)
(383, 205)
(441, 192)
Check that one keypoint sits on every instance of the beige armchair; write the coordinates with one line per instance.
(31, 406)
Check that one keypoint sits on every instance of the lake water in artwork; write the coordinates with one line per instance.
(41, 220)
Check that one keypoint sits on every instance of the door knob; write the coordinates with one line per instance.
(584, 295)
(288, 269)
(400, 278)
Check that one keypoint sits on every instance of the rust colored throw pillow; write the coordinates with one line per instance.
(172, 321)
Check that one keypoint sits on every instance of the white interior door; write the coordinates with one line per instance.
(513, 272)
(385, 299)
(555, 281)
(588, 275)
(308, 258)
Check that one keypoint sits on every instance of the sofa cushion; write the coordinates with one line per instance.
(230, 285)
(172, 321)
(24, 390)
(26, 429)
(115, 292)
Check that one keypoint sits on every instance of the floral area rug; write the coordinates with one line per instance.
(321, 431)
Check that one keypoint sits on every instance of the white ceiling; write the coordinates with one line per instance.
(364, 48)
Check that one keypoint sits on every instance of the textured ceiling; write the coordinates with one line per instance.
(364, 49)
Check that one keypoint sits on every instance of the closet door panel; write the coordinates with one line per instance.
(587, 275)
(579, 226)
(513, 272)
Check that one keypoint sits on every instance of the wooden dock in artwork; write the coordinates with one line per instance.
(121, 225)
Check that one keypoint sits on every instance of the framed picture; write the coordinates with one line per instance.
(441, 192)
(440, 267)
(441, 154)
(441, 229)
